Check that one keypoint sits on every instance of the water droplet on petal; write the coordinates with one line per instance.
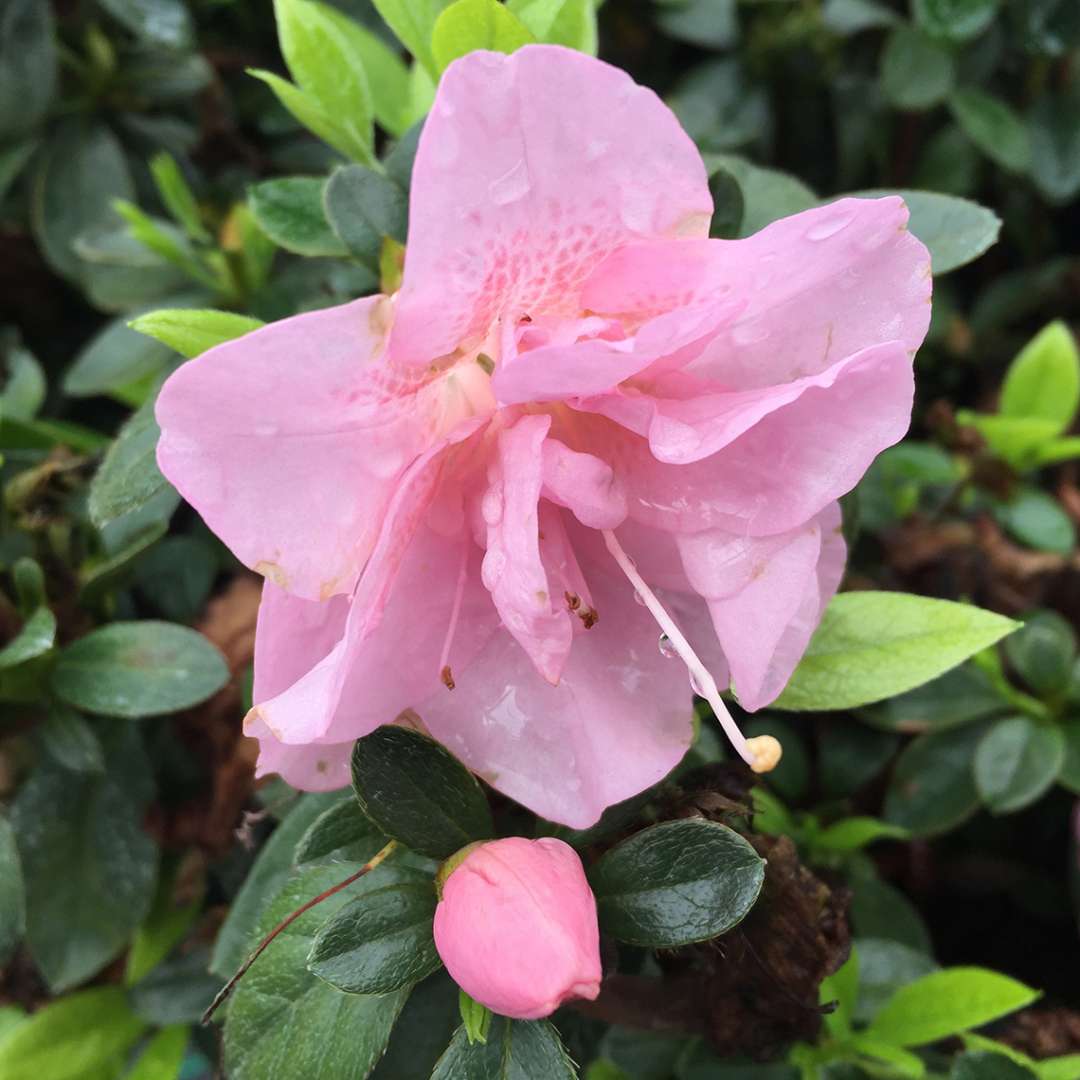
(695, 685)
(638, 597)
(830, 226)
(667, 650)
(511, 186)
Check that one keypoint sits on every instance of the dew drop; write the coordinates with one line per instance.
(829, 226)
(511, 186)
(667, 650)
(638, 598)
(695, 685)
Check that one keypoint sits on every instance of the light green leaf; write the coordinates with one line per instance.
(304, 108)
(854, 833)
(23, 383)
(1016, 439)
(467, 25)
(388, 79)
(321, 49)
(34, 639)
(903, 1062)
(1043, 382)
(842, 987)
(113, 359)
(413, 21)
(872, 645)
(884, 966)
(177, 195)
(71, 1038)
(947, 1002)
(163, 1057)
(191, 332)
(565, 22)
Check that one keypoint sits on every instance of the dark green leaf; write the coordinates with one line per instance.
(884, 966)
(90, 868)
(880, 910)
(1043, 651)
(161, 22)
(343, 833)
(872, 645)
(933, 788)
(993, 127)
(916, 71)
(282, 1013)
(1016, 761)
(417, 792)
(135, 669)
(71, 1039)
(27, 65)
(290, 211)
(853, 16)
(424, 1028)
(379, 943)
(955, 20)
(128, 478)
(114, 358)
(177, 991)
(1037, 519)
(363, 206)
(676, 883)
(71, 742)
(515, 1050)
(12, 893)
(24, 386)
(34, 639)
(267, 876)
(81, 172)
(1070, 766)
(1055, 144)
(176, 576)
(851, 755)
(767, 194)
(712, 24)
(982, 1065)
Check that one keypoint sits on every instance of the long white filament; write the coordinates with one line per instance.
(760, 753)
(455, 611)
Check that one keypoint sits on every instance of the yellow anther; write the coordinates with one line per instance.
(766, 751)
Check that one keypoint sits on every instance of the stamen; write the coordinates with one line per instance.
(444, 658)
(761, 753)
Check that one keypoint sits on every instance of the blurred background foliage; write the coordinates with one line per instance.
(194, 155)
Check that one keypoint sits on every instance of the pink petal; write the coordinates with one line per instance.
(618, 721)
(290, 442)
(765, 596)
(817, 287)
(784, 469)
(584, 484)
(531, 168)
(513, 570)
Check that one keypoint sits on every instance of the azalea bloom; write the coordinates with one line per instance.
(516, 927)
(583, 440)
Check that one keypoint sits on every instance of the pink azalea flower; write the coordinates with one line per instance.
(516, 927)
(580, 425)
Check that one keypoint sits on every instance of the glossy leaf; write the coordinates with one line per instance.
(1016, 761)
(344, 833)
(676, 883)
(515, 1050)
(290, 211)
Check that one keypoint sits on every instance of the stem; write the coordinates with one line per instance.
(241, 971)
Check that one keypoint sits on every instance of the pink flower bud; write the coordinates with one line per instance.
(516, 927)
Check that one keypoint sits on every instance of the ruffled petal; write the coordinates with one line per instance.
(584, 484)
(290, 442)
(532, 168)
(816, 287)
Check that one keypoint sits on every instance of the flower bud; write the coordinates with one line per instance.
(516, 927)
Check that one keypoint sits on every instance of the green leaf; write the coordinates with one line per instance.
(854, 833)
(1043, 382)
(993, 127)
(290, 211)
(767, 194)
(842, 987)
(851, 755)
(1016, 761)
(162, 930)
(341, 834)
(955, 20)
(89, 867)
(418, 793)
(71, 1038)
(573, 22)
(1055, 144)
(932, 788)
(363, 207)
(423, 1029)
(1054, 451)
(917, 72)
(902, 1062)
(115, 357)
(1070, 766)
(475, 1018)
(515, 1050)
(1037, 519)
(884, 966)
(34, 639)
(987, 1066)
(27, 65)
(177, 195)
(176, 576)
(413, 21)
(192, 332)
(380, 943)
(872, 645)
(267, 876)
(128, 478)
(947, 1002)
(71, 742)
(80, 173)
(1043, 651)
(955, 230)
(163, 1057)
(159, 22)
(136, 669)
(1015, 439)
(177, 991)
(676, 883)
(388, 80)
(12, 894)
(280, 1012)
(303, 107)
(319, 44)
(853, 16)
(24, 384)
(467, 25)
(955, 698)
